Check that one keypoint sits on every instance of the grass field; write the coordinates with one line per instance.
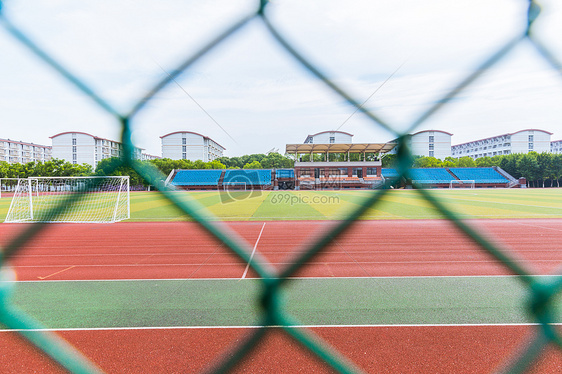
(322, 205)
(216, 302)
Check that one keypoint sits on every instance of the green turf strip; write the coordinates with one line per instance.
(299, 205)
(341, 301)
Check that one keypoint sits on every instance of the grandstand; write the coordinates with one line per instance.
(350, 175)
(433, 177)
(483, 175)
(337, 170)
(486, 177)
(284, 179)
(198, 179)
(212, 179)
(247, 178)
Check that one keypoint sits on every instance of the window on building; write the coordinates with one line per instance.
(184, 156)
(371, 172)
(183, 141)
(73, 141)
(332, 139)
(431, 138)
(184, 148)
(431, 147)
(531, 146)
(74, 157)
(531, 137)
(305, 172)
(74, 149)
(431, 153)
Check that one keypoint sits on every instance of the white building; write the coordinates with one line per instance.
(556, 146)
(431, 143)
(329, 137)
(15, 152)
(428, 143)
(83, 148)
(523, 141)
(189, 145)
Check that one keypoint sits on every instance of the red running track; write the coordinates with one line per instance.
(370, 249)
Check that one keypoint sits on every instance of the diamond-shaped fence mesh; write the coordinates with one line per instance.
(542, 291)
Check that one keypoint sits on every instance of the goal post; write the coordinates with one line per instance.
(70, 199)
(242, 186)
(455, 183)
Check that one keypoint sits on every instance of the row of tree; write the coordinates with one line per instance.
(113, 166)
(540, 169)
(52, 168)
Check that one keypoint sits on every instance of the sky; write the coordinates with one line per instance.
(397, 57)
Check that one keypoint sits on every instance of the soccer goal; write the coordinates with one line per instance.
(83, 199)
(8, 186)
(461, 183)
(238, 186)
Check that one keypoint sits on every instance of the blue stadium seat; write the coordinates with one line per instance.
(285, 173)
(199, 177)
(479, 175)
(248, 176)
(431, 175)
(389, 173)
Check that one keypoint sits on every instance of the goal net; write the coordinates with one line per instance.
(461, 184)
(70, 199)
(8, 186)
(234, 186)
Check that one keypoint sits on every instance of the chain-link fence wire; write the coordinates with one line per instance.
(541, 290)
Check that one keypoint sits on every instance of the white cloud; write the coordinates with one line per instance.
(255, 91)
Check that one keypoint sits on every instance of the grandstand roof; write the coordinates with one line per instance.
(340, 148)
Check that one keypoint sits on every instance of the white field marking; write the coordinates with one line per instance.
(506, 203)
(432, 325)
(285, 263)
(253, 252)
(538, 226)
(294, 278)
(58, 272)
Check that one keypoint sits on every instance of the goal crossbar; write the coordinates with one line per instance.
(456, 183)
(70, 199)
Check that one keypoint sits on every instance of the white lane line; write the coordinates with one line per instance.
(253, 252)
(429, 325)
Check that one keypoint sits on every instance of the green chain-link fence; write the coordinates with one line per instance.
(541, 290)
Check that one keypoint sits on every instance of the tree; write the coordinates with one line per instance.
(544, 160)
(484, 162)
(466, 162)
(253, 165)
(450, 162)
(528, 166)
(389, 160)
(427, 162)
(556, 169)
(509, 164)
(276, 160)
